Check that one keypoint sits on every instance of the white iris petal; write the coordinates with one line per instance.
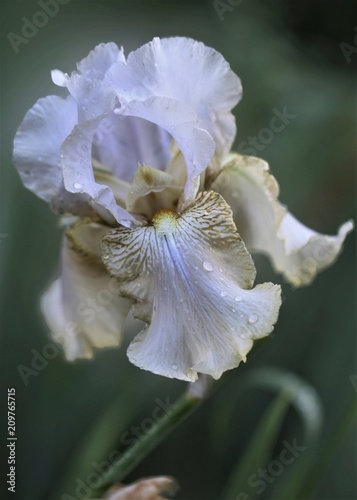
(266, 226)
(82, 307)
(176, 270)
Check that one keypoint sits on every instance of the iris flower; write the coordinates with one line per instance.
(164, 215)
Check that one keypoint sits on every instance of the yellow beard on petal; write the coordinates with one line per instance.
(165, 221)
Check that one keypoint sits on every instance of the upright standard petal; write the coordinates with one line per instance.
(181, 122)
(79, 177)
(122, 142)
(95, 65)
(266, 226)
(37, 153)
(191, 278)
(83, 308)
(189, 72)
(88, 85)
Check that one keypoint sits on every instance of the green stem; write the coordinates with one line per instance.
(148, 441)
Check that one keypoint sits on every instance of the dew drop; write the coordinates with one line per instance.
(77, 185)
(242, 336)
(223, 294)
(174, 366)
(238, 299)
(207, 266)
(233, 310)
(253, 318)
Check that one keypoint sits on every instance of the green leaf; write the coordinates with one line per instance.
(291, 391)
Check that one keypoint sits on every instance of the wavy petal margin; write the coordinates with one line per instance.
(266, 226)
(191, 278)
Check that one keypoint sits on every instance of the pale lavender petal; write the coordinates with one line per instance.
(266, 226)
(82, 307)
(37, 152)
(121, 143)
(187, 71)
(100, 59)
(191, 277)
(76, 154)
(181, 122)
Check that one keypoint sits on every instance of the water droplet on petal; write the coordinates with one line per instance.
(223, 294)
(174, 366)
(253, 318)
(77, 185)
(207, 266)
(233, 310)
(242, 335)
(238, 299)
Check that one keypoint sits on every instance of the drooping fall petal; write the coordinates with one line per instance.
(266, 226)
(82, 307)
(191, 278)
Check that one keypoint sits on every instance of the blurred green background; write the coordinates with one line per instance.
(287, 53)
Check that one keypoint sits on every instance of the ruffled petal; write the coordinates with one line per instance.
(83, 308)
(266, 226)
(187, 71)
(100, 59)
(88, 85)
(191, 277)
(37, 153)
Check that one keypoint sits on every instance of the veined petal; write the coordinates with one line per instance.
(266, 226)
(189, 72)
(83, 308)
(191, 277)
(153, 190)
(37, 153)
